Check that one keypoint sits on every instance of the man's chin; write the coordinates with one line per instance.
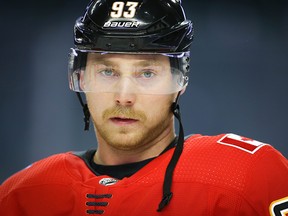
(125, 141)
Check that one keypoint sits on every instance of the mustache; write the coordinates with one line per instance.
(124, 112)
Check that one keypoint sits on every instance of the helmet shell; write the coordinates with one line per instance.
(134, 26)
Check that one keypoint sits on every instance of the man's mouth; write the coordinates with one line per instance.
(123, 120)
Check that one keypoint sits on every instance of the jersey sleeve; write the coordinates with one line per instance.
(44, 200)
(267, 183)
(41, 189)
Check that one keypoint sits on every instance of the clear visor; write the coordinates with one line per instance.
(141, 73)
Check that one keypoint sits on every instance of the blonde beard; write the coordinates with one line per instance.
(127, 139)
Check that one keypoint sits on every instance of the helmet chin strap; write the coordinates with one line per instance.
(167, 194)
(85, 111)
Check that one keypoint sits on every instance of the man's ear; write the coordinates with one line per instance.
(82, 81)
(176, 94)
(183, 90)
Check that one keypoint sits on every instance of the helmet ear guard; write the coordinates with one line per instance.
(75, 64)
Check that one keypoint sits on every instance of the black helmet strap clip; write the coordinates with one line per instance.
(85, 111)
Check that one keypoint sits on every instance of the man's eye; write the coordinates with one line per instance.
(108, 73)
(148, 74)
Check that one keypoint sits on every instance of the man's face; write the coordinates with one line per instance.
(124, 115)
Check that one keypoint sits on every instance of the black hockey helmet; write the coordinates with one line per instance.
(134, 26)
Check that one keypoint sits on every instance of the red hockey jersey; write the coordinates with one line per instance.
(216, 175)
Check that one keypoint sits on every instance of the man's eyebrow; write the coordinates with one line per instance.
(143, 62)
(148, 62)
(104, 61)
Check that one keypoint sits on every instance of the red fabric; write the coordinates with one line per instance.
(210, 179)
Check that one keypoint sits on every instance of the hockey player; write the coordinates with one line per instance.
(131, 62)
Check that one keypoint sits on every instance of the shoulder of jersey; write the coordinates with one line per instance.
(225, 143)
(50, 170)
(223, 160)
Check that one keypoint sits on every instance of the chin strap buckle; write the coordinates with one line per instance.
(165, 201)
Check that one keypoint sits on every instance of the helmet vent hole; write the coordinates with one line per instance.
(158, 26)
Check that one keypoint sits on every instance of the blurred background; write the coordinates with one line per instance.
(238, 82)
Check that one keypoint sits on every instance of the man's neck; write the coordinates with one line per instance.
(108, 155)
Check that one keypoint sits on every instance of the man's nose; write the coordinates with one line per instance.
(125, 93)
